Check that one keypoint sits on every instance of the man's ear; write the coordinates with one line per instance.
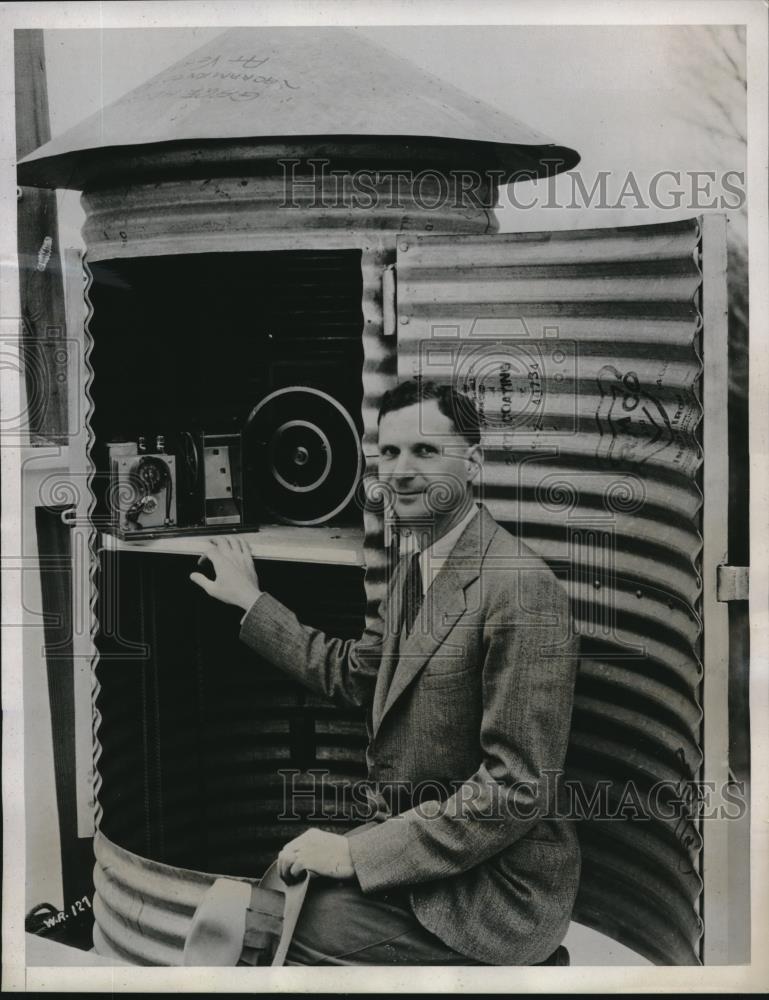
(474, 461)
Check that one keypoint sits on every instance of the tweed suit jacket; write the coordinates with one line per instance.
(473, 707)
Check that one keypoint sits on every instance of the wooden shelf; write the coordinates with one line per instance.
(341, 546)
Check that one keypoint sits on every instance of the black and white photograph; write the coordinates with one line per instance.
(384, 440)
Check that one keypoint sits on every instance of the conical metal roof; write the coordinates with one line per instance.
(297, 85)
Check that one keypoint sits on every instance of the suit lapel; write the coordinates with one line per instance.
(392, 613)
(442, 608)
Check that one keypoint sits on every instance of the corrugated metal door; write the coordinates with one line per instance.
(585, 353)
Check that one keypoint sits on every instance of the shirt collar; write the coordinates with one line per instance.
(433, 557)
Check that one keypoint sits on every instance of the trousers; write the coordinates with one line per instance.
(339, 925)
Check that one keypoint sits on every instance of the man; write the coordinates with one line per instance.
(468, 675)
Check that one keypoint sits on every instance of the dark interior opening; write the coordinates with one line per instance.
(194, 729)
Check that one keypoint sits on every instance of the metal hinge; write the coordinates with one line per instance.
(388, 301)
(732, 583)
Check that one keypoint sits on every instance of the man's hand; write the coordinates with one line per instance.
(318, 852)
(236, 580)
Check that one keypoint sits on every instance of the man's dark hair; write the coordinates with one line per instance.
(458, 407)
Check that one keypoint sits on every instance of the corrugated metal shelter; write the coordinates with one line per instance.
(588, 353)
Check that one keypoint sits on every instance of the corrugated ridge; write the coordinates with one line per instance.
(221, 212)
(92, 539)
(378, 375)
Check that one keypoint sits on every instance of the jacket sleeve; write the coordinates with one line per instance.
(343, 670)
(527, 685)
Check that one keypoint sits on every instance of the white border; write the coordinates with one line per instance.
(754, 978)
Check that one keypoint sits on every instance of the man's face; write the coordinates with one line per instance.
(427, 465)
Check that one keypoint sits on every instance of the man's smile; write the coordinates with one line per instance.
(408, 498)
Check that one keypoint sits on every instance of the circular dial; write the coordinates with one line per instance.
(302, 456)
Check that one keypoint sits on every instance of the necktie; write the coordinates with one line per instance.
(412, 594)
